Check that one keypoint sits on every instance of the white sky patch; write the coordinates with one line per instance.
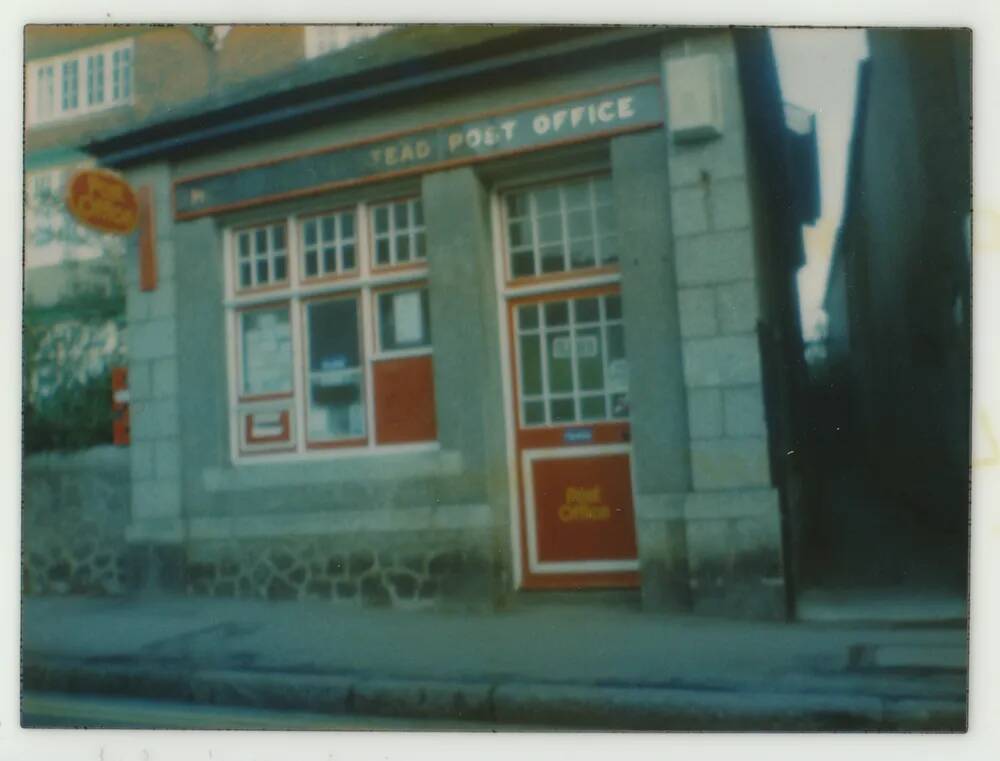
(818, 69)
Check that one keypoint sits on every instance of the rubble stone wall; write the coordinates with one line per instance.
(373, 569)
(74, 511)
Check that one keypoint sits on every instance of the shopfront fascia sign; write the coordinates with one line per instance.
(586, 116)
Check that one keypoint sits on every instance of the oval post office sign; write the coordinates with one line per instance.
(102, 200)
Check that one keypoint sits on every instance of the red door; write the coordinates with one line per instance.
(570, 382)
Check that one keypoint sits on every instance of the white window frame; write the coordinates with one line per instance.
(327, 38)
(365, 282)
(38, 115)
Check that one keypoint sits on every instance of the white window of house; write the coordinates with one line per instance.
(330, 345)
(80, 82)
(330, 37)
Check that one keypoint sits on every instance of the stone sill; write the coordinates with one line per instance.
(366, 468)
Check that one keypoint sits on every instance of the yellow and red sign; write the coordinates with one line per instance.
(102, 200)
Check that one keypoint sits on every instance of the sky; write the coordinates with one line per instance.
(818, 70)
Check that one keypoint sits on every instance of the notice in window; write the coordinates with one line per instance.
(267, 359)
(406, 318)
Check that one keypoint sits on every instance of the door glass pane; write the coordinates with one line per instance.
(589, 359)
(559, 346)
(266, 348)
(531, 365)
(335, 401)
(561, 410)
(583, 373)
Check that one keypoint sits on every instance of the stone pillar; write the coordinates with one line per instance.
(732, 513)
(660, 462)
(155, 528)
(467, 372)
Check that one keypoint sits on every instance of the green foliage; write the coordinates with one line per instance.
(75, 416)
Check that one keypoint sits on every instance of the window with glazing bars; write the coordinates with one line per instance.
(572, 358)
(561, 227)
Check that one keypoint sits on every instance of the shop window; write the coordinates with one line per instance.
(398, 229)
(571, 355)
(329, 245)
(326, 338)
(560, 227)
(261, 256)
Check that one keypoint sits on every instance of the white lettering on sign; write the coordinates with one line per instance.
(401, 153)
(586, 346)
(489, 136)
(600, 112)
(561, 348)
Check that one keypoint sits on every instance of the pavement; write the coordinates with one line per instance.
(561, 665)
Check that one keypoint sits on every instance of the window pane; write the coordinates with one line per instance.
(329, 231)
(553, 259)
(280, 268)
(311, 269)
(531, 365)
(619, 405)
(260, 240)
(244, 244)
(309, 230)
(556, 313)
(404, 320)
(527, 317)
(564, 227)
(534, 413)
(421, 240)
(381, 219)
(562, 411)
(578, 196)
(402, 216)
(589, 362)
(580, 224)
(70, 72)
(593, 408)
(586, 310)
(336, 403)
(547, 200)
(350, 260)
(267, 351)
(263, 273)
(517, 205)
(522, 264)
(560, 369)
(418, 212)
(347, 225)
(382, 251)
(246, 275)
(329, 260)
(403, 248)
(613, 307)
(278, 238)
(581, 254)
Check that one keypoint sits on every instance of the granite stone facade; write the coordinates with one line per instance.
(75, 509)
(401, 570)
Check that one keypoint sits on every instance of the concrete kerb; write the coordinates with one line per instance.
(572, 706)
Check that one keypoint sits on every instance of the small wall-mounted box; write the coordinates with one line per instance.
(694, 98)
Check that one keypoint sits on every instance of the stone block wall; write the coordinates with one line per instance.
(731, 515)
(380, 570)
(75, 508)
